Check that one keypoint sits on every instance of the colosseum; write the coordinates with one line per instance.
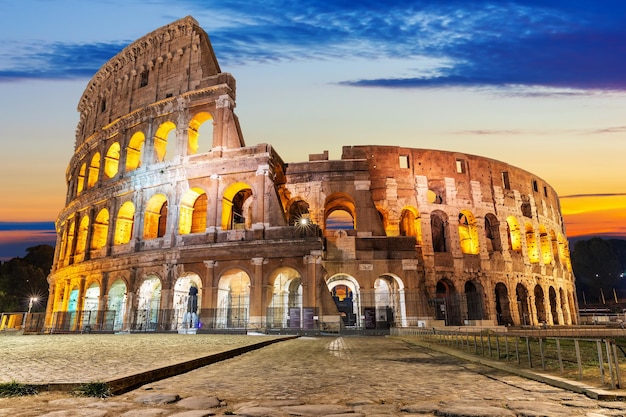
(173, 223)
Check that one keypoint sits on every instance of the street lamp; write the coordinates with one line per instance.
(30, 306)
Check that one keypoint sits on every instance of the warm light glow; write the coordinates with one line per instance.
(515, 237)
(195, 134)
(233, 212)
(161, 140)
(154, 211)
(410, 224)
(193, 212)
(100, 230)
(124, 224)
(468, 233)
(133, 152)
(94, 170)
(546, 246)
(531, 244)
(112, 160)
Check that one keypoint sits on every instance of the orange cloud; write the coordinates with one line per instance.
(598, 215)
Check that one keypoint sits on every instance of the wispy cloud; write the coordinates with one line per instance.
(593, 195)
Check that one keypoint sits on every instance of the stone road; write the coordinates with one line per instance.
(321, 376)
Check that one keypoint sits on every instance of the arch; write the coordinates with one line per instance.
(438, 227)
(187, 301)
(514, 234)
(155, 221)
(474, 301)
(345, 291)
(339, 212)
(468, 233)
(390, 302)
(148, 304)
(133, 151)
(112, 160)
(492, 233)
(410, 223)
(285, 309)
(200, 133)
(81, 239)
(503, 308)
(72, 307)
(236, 212)
(164, 142)
(71, 236)
(434, 197)
(553, 305)
(540, 304)
(124, 225)
(446, 303)
(91, 304)
(546, 246)
(531, 244)
(116, 304)
(193, 212)
(523, 304)
(554, 246)
(80, 183)
(100, 230)
(233, 299)
(94, 170)
(297, 210)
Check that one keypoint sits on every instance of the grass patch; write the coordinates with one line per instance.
(16, 389)
(93, 389)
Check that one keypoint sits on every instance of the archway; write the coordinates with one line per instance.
(155, 222)
(468, 233)
(133, 151)
(148, 304)
(233, 299)
(124, 224)
(200, 133)
(193, 212)
(553, 306)
(410, 224)
(389, 301)
(503, 308)
(438, 221)
(345, 291)
(165, 142)
(236, 212)
(100, 230)
(446, 303)
(514, 234)
(90, 306)
(116, 306)
(285, 309)
(540, 304)
(339, 212)
(492, 233)
(112, 160)
(187, 301)
(523, 307)
(474, 301)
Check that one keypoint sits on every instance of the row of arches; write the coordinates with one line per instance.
(106, 164)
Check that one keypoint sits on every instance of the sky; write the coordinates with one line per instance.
(540, 85)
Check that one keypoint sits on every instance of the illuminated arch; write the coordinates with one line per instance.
(81, 239)
(187, 308)
(112, 160)
(389, 298)
(531, 244)
(233, 299)
(468, 233)
(80, 183)
(117, 303)
(71, 235)
(133, 151)
(149, 303)
(100, 230)
(94, 170)
(554, 245)
(155, 221)
(346, 293)
(340, 212)
(200, 133)
(193, 212)
(285, 309)
(90, 305)
(236, 212)
(410, 223)
(124, 224)
(163, 141)
(297, 210)
(546, 245)
(514, 234)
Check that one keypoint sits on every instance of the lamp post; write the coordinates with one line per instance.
(30, 306)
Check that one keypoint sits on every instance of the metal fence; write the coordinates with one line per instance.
(592, 359)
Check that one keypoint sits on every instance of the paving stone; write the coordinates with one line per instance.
(199, 403)
(317, 409)
(539, 408)
(466, 410)
(75, 413)
(157, 398)
(193, 413)
(260, 412)
(145, 412)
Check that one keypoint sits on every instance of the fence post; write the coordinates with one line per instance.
(600, 360)
(609, 361)
(578, 360)
(541, 354)
(530, 360)
(617, 373)
(497, 347)
(517, 349)
(558, 353)
(489, 344)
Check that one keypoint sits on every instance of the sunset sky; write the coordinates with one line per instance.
(538, 84)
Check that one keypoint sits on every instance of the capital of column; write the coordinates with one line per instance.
(210, 264)
(257, 261)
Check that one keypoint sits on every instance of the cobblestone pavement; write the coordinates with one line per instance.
(321, 376)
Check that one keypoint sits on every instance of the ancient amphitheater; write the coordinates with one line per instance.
(172, 223)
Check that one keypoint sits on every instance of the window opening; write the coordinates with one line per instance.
(505, 180)
(143, 81)
(460, 166)
(404, 161)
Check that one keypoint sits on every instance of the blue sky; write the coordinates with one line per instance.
(538, 84)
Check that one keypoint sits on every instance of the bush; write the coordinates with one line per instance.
(15, 389)
(93, 389)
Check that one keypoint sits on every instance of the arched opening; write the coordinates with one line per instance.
(233, 300)
(567, 320)
(165, 142)
(410, 224)
(546, 246)
(71, 235)
(468, 233)
(116, 305)
(187, 301)
(540, 304)
(90, 306)
(531, 244)
(155, 222)
(346, 294)
(112, 160)
(133, 151)
(438, 226)
(446, 303)
(124, 224)
(503, 309)
(554, 246)
(80, 183)
(297, 212)
(72, 307)
(492, 233)
(474, 301)
(200, 133)
(81, 240)
(193, 212)
(100, 230)
(285, 309)
(94, 170)
(514, 234)
(434, 197)
(340, 212)
(236, 207)
(389, 302)
(523, 306)
(148, 304)
(553, 306)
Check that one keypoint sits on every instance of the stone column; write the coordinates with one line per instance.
(80, 303)
(256, 292)
(209, 295)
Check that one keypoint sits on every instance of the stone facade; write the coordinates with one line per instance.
(171, 222)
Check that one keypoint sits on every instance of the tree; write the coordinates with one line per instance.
(24, 278)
